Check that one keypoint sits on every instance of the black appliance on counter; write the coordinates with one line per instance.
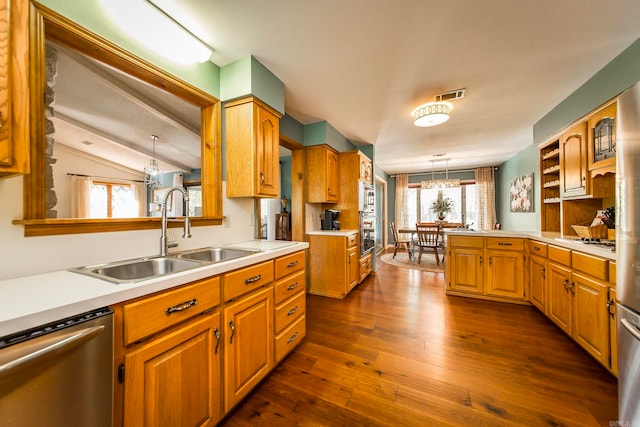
(330, 220)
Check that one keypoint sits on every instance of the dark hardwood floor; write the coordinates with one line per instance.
(399, 352)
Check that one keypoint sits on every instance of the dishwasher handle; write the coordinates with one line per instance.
(18, 358)
(631, 328)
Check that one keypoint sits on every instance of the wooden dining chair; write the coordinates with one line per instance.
(400, 244)
(428, 239)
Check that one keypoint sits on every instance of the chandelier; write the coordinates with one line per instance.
(152, 169)
(440, 183)
(431, 113)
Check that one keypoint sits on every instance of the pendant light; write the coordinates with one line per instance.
(152, 169)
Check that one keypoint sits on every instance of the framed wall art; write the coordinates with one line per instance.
(521, 194)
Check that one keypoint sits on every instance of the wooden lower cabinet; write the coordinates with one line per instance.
(175, 380)
(466, 270)
(492, 268)
(590, 318)
(334, 267)
(188, 355)
(248, 347)
(538, 282)
(505, 274)
(578, 305)
(560, 308)
(365, 266)
(613, 328)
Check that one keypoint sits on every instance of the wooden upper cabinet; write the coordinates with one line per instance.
(366, 168)
(573, 161)
(323, 172)
(253, 140)
(601, 142)
(14, 87)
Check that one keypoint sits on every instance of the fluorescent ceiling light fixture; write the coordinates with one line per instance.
(158, 32)
(431, 113)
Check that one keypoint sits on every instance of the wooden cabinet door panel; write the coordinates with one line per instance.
(591, 319)
(353, 264)
(268, 142)
(466, 270)
(175, 379)
(573, 159)
(333, 177)
(559, 305)
(505, 274)
(538, 282)
(249, 340)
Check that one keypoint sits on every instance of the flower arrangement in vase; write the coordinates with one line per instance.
(441, 206)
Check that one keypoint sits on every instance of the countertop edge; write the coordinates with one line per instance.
(30, 301)
(548, 237)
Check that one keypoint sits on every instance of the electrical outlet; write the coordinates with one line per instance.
(226, 221)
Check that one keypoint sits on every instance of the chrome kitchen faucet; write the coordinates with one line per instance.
(187, 224)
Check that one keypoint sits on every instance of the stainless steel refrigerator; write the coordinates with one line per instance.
(628, 254)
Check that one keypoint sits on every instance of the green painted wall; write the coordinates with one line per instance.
(323, 133)
(623, 71)
(91, 15)
(523, 163)
(247, 76)
(285, 178)
(292, 128)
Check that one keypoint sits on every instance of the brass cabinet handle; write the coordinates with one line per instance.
(480, 259)
(490, 261)
(505, 244)
(261, 178)
(182, 306)
(233, 331)
(292, 286)
(253, 279)
(571, 286)
(216, 332)
(294, 310)
(535, 248)
(565, 283)
(292, 264)
(543, 271)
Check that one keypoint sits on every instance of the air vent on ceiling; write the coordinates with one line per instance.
(451, 95)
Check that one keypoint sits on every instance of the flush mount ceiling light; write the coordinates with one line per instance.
(150, 26)
(431, 113)
(436, 112)
(152, 169)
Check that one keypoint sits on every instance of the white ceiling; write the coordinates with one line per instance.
(363, 65)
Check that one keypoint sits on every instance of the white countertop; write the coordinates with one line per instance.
(331, 232)
(30, 301)
(542, 236)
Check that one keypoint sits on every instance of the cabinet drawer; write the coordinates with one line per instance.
(289, 286)
(559, 255)
(538, 248)
(246, 279)
(612, 272)
(466, 241)
(289, 311)
(289, 263)
(505, 243)
(290, 337)
(150, 315)
(591, 265)
(352, 240)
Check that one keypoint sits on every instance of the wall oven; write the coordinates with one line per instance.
(367, 232)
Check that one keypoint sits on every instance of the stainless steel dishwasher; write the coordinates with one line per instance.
(59, 374)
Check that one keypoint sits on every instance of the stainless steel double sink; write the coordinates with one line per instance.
(135, 270)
